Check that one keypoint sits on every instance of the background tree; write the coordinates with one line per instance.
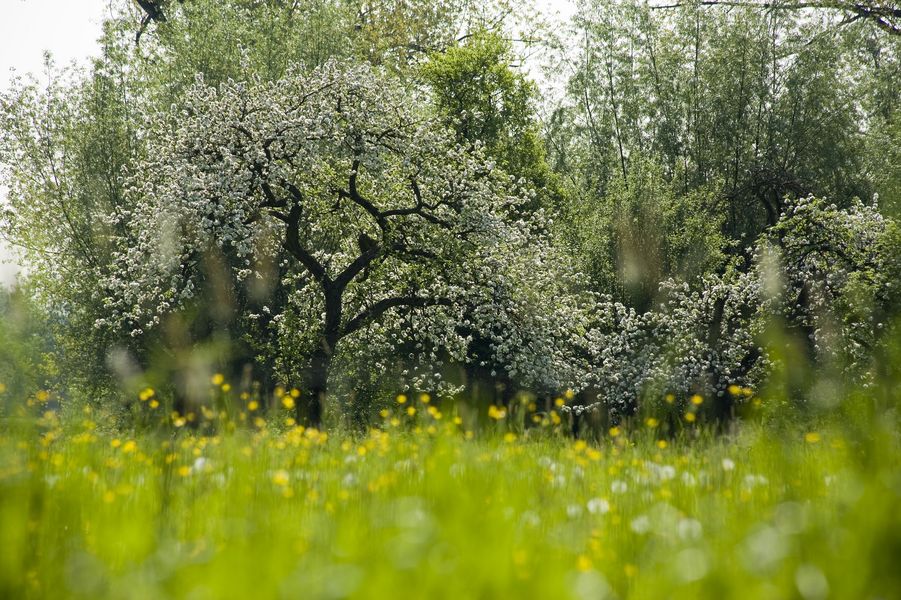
(745, 105)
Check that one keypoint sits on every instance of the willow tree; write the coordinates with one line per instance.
(386, 230)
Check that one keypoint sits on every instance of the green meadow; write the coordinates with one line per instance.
(424, 506)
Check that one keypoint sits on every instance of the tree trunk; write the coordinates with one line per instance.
(315, 389)
(315, 381)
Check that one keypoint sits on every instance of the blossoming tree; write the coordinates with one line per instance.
(386, 232)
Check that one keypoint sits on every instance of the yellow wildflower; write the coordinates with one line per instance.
(697, 400)
(218, 379)
(690, 417)
(583, 563)
(812, 437)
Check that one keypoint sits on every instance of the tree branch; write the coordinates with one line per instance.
(293, 245)
(376, 310)
(880, 15)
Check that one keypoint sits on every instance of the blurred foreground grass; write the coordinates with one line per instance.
(422, 509)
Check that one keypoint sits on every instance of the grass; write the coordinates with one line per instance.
(421, 509)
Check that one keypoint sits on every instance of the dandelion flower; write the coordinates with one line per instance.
(218, 379)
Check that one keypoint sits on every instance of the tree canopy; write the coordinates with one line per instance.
(365, 197)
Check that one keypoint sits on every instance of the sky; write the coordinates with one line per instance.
(69, 29)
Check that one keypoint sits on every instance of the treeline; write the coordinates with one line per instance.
(360, 198)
